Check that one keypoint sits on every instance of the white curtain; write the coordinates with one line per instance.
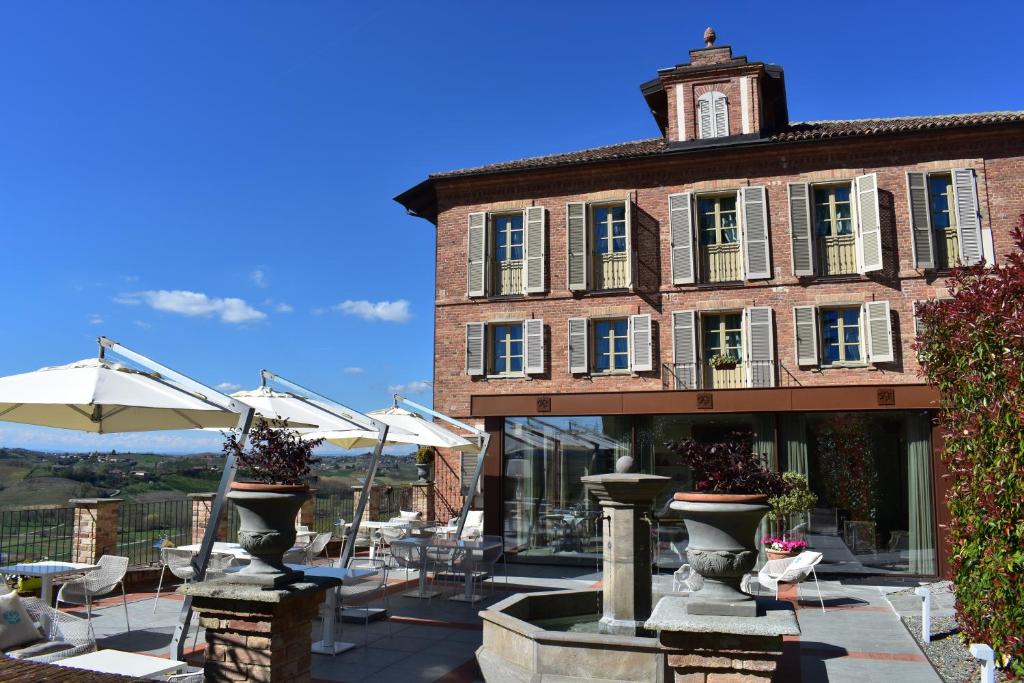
(919, 495)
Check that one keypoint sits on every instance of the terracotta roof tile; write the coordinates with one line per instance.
(794, 132)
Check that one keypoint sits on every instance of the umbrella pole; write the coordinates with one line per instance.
(202, 558)
(485, 441)
(357, 519)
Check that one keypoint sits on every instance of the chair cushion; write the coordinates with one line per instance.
(475, 518)
(40, 648)
(411, 515)
(16, 627)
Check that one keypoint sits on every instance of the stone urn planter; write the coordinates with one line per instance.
(266, 530)
(722, 548)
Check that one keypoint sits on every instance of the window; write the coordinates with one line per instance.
(712, 115)
(506, 253)
(943, 218)
(507, 349)
(840, 336)
(507, 230)
(723, 337)
(719, 239)
(599, 245)
(611, 345)
(833, 227)
(747, 338)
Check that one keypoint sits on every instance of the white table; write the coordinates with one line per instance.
(234, 549)
(124, 663)
(328, 645)
(47, 570)
(476, 551)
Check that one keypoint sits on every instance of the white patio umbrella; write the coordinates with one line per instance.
(101, 396)
(282, 408)
(405, 428)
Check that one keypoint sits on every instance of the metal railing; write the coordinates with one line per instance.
(141, 528)
(745, 374)
(35, 533)
(327, 511)
(393, 499)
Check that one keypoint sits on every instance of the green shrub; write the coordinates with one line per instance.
(972, 349)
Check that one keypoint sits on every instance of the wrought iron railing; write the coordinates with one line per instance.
(142, 527)
(35, 533)
(745, 374)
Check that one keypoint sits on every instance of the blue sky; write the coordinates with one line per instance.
(211, 183)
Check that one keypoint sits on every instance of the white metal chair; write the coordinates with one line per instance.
(791, 570)
(180, 564)
(314, 549)
(108, 575)
(64, 635)
(394, 531)
(685, 579)
(364, 588)
(219, 564)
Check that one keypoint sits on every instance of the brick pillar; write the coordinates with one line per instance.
(307, 511)
(372, 512)
(423, 499)
(254, 634)
(96, 522)
(202, 506)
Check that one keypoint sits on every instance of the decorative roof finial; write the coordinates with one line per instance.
(709, 37)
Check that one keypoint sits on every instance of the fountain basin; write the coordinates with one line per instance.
(525, 639)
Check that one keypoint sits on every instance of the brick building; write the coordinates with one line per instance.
(737, 271)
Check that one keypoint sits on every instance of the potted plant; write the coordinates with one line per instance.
(797, 498)
(278, 460)
(424, 463)
(776, 548)
(723, 361)
(730, 497)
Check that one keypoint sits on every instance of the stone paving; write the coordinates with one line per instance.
(859, 637)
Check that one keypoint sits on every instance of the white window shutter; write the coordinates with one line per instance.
(968, 219)
(755, 233)
(920, 220)
(641, 354)
(475, 344)
(467, 468)
(760, 335)
(680, 223)
(534, 245)
(576, 228)
(684, 348)
(720, 106)
(869, 239)
(476, 251)
(578, 346)
(879, 331)
(801, 230)
(533, 334)
(630, 254)
(705, 121)
(805, 322)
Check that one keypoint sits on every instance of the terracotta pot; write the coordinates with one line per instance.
(780, 554)
(722, 548)
(266, 529)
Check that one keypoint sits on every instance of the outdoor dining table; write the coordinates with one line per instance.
(124, 663)
(476, 552)
(224, 547)
(47, 570)
(327, 645)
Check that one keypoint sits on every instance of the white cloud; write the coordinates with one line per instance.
(353, 371)
(417, 387)
(95, 319)
(283, 308)
(182, 302)
(259, 277)
(319, 311)
(227, 387)
(392, 311)
(141, 323)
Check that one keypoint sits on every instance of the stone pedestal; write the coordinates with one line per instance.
(423, 499)
(258, 635)
(307, 513)
(625, 501)
(202, 506)
(705, 648)
(95, 532)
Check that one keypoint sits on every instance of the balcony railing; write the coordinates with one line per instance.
(757, 374)
(838, 254)
(34, 533)
(948, 246)
(509, 278)
(721, 262)
(611, 271)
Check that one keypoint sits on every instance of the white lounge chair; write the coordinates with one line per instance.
(790, 570)
(63, 635)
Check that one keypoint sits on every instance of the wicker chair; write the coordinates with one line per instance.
(108, 575)
(58, 628)
(180, 564)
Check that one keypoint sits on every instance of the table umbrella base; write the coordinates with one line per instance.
(360, 615)
(422, 596)
(322, 648)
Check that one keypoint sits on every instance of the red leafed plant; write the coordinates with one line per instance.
(972, 348)
(274, 456)
(729, 466)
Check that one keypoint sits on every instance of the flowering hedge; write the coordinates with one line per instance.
(972, 349)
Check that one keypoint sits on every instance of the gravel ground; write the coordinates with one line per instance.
(947, 652)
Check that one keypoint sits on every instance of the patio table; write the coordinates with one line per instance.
(47, 570)
(476, 551)
(221, 547)
(124, 663)
(328, 645)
